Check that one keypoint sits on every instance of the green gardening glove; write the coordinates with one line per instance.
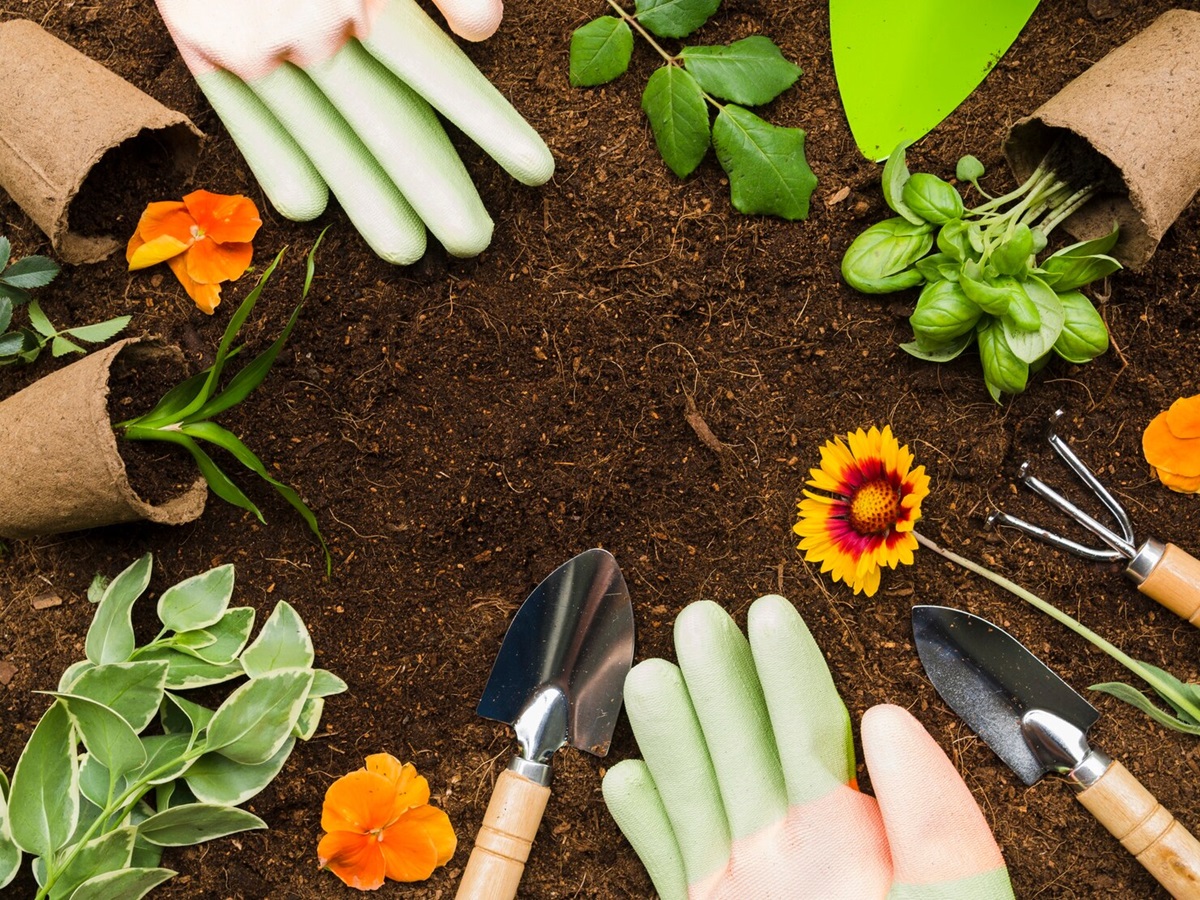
(747, 790)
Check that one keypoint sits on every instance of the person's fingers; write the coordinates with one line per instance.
(405, 137)
(371, 201)
(672, 744)
(719, 670)
(425, 58)
(809, 720)
(286, 175)
(475, 20)
(938, 836)
(634, 802)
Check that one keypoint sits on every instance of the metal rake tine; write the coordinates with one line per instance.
(1123, 548)
(1002, 518)
(1063, 449)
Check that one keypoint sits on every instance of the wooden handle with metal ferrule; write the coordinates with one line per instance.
(1175, 583)
(1132, 815)
(498, 858)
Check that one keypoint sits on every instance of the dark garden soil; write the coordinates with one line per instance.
(462, 427)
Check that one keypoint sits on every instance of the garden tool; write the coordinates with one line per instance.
(1163, 572)
(340, 95)
(1036, 723)
(747, 788)
(556, 680)
(903, 67)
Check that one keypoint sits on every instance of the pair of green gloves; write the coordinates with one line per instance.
(747, 787)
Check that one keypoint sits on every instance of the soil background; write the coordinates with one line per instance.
(462, 427)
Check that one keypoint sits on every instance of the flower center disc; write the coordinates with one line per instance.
(874, 508)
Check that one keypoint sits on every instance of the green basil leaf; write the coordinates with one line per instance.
(1022, 312)
(283, 643)
(128, 884)
(106, 735)
(953, 241)
(1084, 335)
(674, 18)
(1002, 370)
(933, 199)
(768, 174)
(1030, 346)
(197, 602)
(878, 260)
(1012, 256)
(255, 720)
(43, 802)
(1071, 272)
(943, 313)
(110, 637)
(968, 169)
(215, 779)
(993, 298)
(751, 71)
(895, 176)
(938, 353)
(195, 823)
(1096, 247)
(938, 267)
(678, 118)
(600, 51)
(133, 690)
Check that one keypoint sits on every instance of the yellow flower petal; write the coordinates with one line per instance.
(155, 251)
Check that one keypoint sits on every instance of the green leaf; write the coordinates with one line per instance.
(97, 587)
(110, 637)
(43, 802)
(71, 674)
(10, 853)
(16, 296)
(255, 720)
(133, 690)
(189, 641)
(1030, 346)
(943, 313)
(952, 240)
(1022, 313)
(60, 346)
(173, 402)
(678, 117)
(1066, 273)
(101, 331)
(40, 323)
(993, 297)
(283, 643)
(1012, 256)
(30, 272)
(674, 18)
(933, 199)
(600, 51)
(1132, 696)
(195, 823)
(751, 71)
(309, 719)
(938, 267)
(106, 735)
(195, 718)
(325, 684)
(6, 311)
(108, 853)
(1084, 335)
(5, 253)
(1095, 247)
(968, 169)
(214, 778)
(895, 176)
(127, 884)
(938, 353)
(12, 343)
(768, 174)
(166, 758)
(878, 260)
(185, 671)
(97, 784)
(230, 635)
(1002, 370)
(197, 602)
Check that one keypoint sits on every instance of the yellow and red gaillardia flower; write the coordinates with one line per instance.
(380, 825)
(205, 239)
(864, 519)
(1171, 444)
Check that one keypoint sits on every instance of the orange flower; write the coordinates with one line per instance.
(1171, 444)
(205, 240)
(380, 824)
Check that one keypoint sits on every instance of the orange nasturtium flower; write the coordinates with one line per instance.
(1171, 444)
(868, 522)
(380, 824)
(205, 239)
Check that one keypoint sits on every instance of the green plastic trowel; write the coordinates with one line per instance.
(903, 67)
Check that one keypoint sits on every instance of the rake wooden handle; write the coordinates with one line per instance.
(502, 845)
(1132, 815)
(1175, 583)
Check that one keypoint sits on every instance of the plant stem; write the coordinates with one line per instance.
(1079, 628)
(1066, 209)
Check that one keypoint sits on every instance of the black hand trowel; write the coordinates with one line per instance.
(557, 680)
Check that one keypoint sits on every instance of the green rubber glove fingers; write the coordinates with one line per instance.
(747, 791)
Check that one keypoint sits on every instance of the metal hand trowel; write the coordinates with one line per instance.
(903, 67)
(557, 680)
(1036, 723)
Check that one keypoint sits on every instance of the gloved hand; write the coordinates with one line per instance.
(748, 792)
(337, 93)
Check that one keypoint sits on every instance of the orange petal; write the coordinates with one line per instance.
(388, 766)
(207, 296)
(354, 858)
(167, 217)
(1163, 450)
(134, 242)
(1183, 418)
(1180, 483)
(437, 826)
(226, 218)
(154, 251)
(409, 853)
(361, 801)
(212, 263)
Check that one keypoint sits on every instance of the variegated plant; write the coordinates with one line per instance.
(94, 799)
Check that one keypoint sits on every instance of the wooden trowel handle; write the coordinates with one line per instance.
(504, 840)
(1175, 583)
(1132, 815)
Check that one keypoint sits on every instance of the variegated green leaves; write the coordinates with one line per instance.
(94, 800)
(768, 173)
